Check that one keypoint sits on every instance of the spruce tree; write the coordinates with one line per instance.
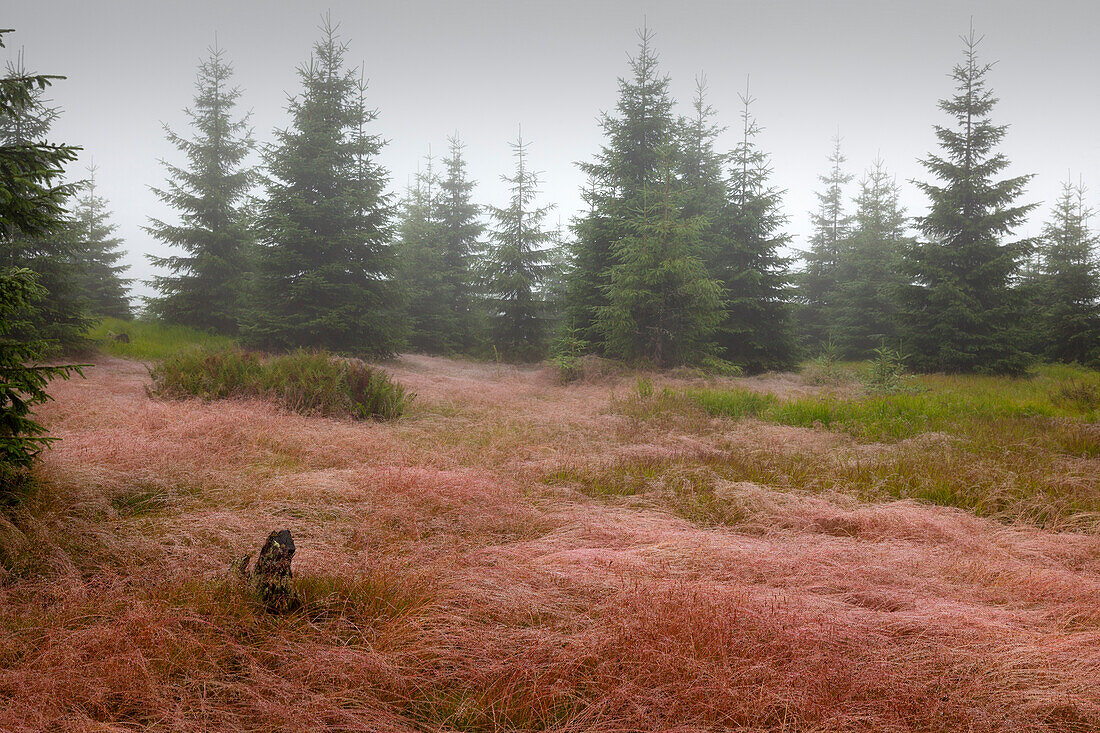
(324, 266)
(663, 308)
(32, 204)
(702, 167)
(205, 285)
(755, 331)
(421, 268)
(515, 266)
(98, 253)
(817, 283)
(1069, 281)
(627, 165)
(865, 314)
(961, 313)
(460, 232)
(56, 316)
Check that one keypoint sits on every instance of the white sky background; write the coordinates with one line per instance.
(875, 69)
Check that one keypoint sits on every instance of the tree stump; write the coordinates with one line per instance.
(271, 575)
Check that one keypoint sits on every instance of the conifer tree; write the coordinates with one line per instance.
(205, 285)
(817, 283)
(627, 165)
(460, 230)
(421, 266)
(865, 314)
(515, 266)
(56, 317)
(961, 313)
(98, 253)
(32, 201)
(702, 174)
(1069, 281)
(324, 266)
(755, 331)
(663, 307)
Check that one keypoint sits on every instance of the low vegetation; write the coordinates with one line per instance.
(309, 382)
(150, 340)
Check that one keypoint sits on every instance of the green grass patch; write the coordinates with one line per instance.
(150, 340)
(959, 405)
(309, 382)
(734, 403)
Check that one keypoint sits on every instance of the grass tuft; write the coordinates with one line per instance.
(308, 382)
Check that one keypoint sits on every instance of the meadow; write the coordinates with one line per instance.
(627, 552)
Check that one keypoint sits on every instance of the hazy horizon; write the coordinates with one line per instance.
(874, 71)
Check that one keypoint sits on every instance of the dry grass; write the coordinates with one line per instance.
(518, 555)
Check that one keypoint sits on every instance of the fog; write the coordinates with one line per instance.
(872, 70)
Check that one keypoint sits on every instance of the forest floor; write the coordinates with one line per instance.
(515, 554)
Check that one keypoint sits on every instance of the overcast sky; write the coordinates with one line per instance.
(874, 69)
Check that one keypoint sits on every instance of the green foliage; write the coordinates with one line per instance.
(887, 371)
(516, 265)
(865, 312)
(755, 330)
(628, 163)
(1066, 290)
(22, 382)
(309, 382)
(961, 313)
(820, 277)
(825, 368)
(99, 277)
(663, 308)
(205, 284)
(31, 207)
(325, 267)
(149, 340)
(566, 353)
(34, 232)
(437, 241)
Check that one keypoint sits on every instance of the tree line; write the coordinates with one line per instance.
(677, 257)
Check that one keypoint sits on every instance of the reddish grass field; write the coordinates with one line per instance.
(455, 578)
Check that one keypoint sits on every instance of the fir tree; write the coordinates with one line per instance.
(515, 266)
(755, 331)
(98, 253)
(56, 316)
(460, 232)
(865, 313)
(421, 266)
(32, 201)
(205, 286)
(961, 313)
(702, 174)
(817, 283)
(1069, 281)
(627, 165)
(663, 307)
(324, 267)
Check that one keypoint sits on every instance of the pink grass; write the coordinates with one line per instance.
(469, 596)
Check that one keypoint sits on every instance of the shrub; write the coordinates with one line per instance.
(887, 371)
(308, 382)
(824, 369)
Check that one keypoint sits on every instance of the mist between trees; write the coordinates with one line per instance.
(677, 257)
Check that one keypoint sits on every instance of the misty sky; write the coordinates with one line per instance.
(874, 69)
